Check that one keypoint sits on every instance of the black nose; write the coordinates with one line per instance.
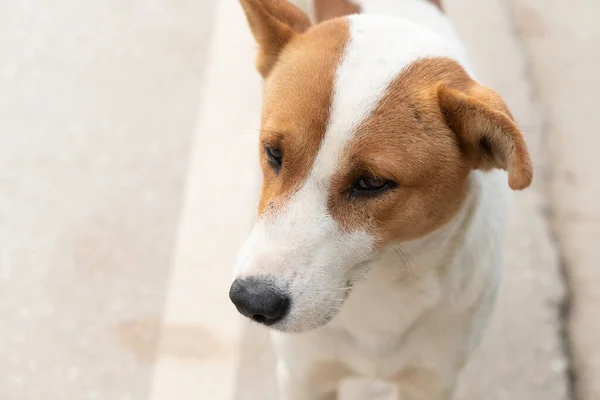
(259, 299)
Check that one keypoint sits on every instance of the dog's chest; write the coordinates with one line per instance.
(378, 316)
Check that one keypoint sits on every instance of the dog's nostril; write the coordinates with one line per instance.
(259, 318)
(259, 299)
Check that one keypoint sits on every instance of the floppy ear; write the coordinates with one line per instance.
(273, 23)
(487, 132)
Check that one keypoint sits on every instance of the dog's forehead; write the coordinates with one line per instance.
(378, 51)
(330, 80)
(299, 90)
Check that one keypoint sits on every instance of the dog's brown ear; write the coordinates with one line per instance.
(487, 132)
(273, 23)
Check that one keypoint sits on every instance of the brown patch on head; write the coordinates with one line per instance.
(274, 23)
(488, 135)
(299, 66)
(328, 9)
(296, 108)
(432, 127)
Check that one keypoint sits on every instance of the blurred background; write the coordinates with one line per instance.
(127, 182)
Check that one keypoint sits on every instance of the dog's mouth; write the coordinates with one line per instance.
(289, 305)
(306, 316)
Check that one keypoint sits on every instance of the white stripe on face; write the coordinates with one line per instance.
(378, 50)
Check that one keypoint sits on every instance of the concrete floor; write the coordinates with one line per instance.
(109, 224)
(98, 104)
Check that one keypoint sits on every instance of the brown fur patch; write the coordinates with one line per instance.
(328, 9)
(427, 140)
(273, 23)
(296, 108)
(488, 133)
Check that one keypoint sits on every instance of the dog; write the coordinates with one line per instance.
(386, 167)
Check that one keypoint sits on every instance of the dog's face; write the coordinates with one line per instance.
(369, 133)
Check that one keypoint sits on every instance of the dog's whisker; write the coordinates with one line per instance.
(334, 289)
(406, 258)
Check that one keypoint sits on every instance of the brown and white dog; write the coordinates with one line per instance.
(386, 166)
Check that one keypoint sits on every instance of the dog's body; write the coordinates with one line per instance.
(392, 275)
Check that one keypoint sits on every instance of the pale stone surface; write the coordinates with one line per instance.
(521, 356)
(563, 39)
(218, 211)
(98, 103)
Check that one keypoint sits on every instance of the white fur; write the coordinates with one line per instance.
(303, 249)
(422, 308)
(426, 312)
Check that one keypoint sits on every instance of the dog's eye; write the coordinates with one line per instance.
(371, 186)
(275, 157)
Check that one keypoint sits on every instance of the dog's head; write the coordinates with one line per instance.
(370, 129)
